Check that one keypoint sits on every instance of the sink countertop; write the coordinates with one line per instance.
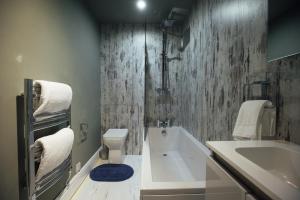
(271, 185)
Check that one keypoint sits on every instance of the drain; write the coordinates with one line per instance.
(165, 154)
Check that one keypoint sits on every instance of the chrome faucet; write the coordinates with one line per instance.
(163, 124)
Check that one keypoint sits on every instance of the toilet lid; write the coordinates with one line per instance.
(116, 133)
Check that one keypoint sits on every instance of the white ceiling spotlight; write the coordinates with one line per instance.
(141, 4)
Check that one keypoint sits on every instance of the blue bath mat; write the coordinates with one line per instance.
(111, 173)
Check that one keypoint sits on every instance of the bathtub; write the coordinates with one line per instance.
(173, 166)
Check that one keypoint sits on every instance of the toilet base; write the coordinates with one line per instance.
(115, 157)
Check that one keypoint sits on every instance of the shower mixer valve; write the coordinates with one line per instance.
(163, 124)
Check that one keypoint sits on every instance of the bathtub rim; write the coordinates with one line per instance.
(183, 187)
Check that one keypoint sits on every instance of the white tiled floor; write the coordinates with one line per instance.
(126, 190)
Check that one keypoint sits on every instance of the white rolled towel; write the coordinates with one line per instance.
(249, 119)
(55, 97)
(56, 149)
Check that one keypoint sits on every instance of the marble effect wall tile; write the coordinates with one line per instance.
(159, 106)
(227, 49)
(285, 93)
(125, 81)
(122, 81)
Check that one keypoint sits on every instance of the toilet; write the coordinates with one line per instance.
(114, 139)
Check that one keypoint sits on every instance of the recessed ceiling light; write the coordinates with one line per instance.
(141, 4)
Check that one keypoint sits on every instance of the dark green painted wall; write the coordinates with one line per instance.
(284, 35)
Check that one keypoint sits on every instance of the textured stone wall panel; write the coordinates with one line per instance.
(160, 106)
(227, 50)
(285, 92)
(122, 81)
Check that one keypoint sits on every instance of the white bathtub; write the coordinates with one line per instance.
(173, 166)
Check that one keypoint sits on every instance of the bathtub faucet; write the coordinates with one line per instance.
(163, 124)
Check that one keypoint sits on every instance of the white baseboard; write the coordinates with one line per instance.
(77, 180)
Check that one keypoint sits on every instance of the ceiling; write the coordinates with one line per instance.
(125, 11)
(278, 8)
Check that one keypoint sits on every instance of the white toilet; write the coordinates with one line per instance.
(114, 139)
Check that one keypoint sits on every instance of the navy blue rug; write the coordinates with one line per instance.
(111, 173)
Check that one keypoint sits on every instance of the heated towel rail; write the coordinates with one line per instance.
(29, 156)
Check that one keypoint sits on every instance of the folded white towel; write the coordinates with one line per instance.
(249, 117)
(55, 97)
(268, 123)
(56, 149)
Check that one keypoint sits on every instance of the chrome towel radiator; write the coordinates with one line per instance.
(29, 130)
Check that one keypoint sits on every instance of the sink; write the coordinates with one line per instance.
(282, 163)
(269, 166)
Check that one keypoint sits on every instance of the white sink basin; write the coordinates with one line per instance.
(272, 166)
(282, 163)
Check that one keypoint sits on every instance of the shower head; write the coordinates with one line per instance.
(176, 16)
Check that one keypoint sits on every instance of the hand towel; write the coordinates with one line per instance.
(56, 149)
(55, 97)
(268, 123)
(249, 117)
